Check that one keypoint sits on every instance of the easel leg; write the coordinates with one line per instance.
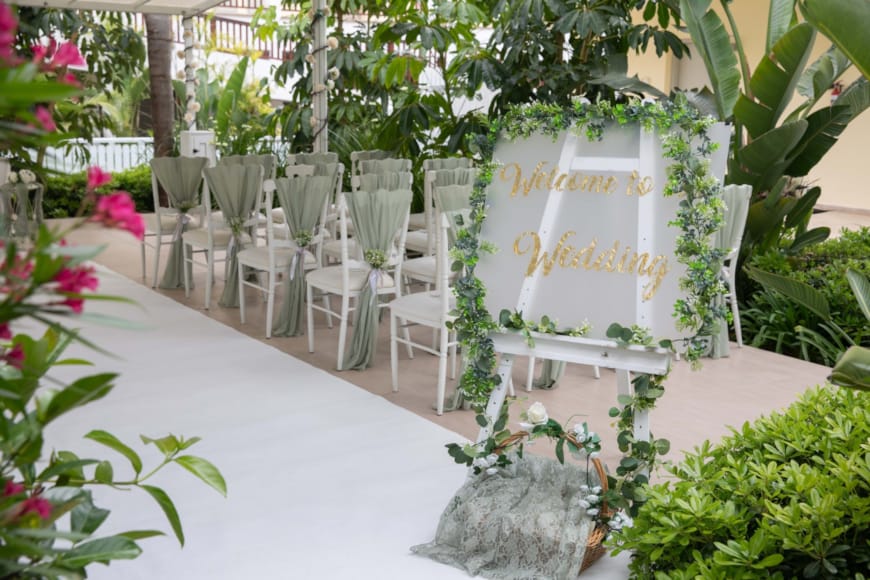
(641, 417)
(496, 399)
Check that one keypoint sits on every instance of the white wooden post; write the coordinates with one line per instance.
(189, 71)
(320, 105)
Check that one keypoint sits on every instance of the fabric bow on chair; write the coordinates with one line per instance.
(303, 200)
(237, 190)
(181, 178)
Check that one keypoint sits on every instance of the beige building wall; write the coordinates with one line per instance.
(840, 174)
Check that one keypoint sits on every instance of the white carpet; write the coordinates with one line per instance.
(325, 480)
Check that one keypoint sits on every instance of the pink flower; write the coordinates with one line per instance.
(39, 52)
(70, 79)
(12, 488)
(14, 356)
(5, 332)
(73, 281)
(8, 26)
(37, 505)
(45, 119)
(97, 177)
(117, 210)
(67, 54)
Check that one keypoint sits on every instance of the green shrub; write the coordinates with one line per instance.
(770, 321)
(785, 497)
(64, 193)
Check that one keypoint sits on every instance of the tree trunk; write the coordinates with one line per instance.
(159, 31)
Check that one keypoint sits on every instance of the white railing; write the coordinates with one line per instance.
(110, 153)
(119, 153)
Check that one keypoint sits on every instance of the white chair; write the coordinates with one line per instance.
(385, 212)
(437, 173)
(243, 184)
(431, 309)
(281, 255)
(181, 178)
(729, 238)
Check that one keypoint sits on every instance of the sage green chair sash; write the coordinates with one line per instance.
(20, 209)
(302, 199)
(389, 180)
(181, 179)
(312, 158)
(456, 176)
(378, 218)
(384, 166)
(266, 161)
(438, 164)
(236, 189)
(356, 157)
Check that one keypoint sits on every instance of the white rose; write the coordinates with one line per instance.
(194, 106)
(180, 75)
(330, 85)
(180, 54)
(188, 117)
(12, 177)
(537, 414)
(27, 176)
(309, 58)
(334, 73)
(332, 42)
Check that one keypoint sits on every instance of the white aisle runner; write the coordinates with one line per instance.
(325, 480)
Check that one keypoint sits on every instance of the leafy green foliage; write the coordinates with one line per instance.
(64, 193)
(774, 322)
(784, 497)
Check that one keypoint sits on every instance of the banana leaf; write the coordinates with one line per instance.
(845, 23)
(853, 369)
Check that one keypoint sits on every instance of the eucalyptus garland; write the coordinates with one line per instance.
(687, 145)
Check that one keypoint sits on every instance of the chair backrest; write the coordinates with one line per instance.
(20, 209)
(267, 161)
(312, 158)
(303, 200)
(357, 156)
(453, 204)
(181, 179)
(379, 166)
(736, 198)
(238, 192)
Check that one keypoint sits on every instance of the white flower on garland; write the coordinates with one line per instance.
(534, 416)
(188, 117)
(313, 121)
(330, 85)
(27, 176)
(309, 58)
(12, 177)
(332, 43)
(333, 73)
(180, 54)
(194, 106)
(180, 75)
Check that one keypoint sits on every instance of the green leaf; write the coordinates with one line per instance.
(809, 238)
(104, 472)
(845, 23)
(112, 442)
(227, 102)
(713, 44)
(560, 450)
(853, 369)
(167, 445)
(79, 393)
(141, 534)
(861, 287)
(73, 468)
(86, 517)
(801, 293)
(100, 550)
(481, 420)
(205, 471)
(168, 508)
(779, 19)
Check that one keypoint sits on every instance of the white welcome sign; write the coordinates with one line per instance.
(582, 230)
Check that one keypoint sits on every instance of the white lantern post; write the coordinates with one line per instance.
(320, 106)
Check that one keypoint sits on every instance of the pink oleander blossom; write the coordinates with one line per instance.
(97, 177)
(37, 505)
(5, 331)
(40, 52)
(70, 79)
(117, 210)
(67, 55)
(73, 281)
(11, 488)
(8, 26)
(14, 356)
(45, 119)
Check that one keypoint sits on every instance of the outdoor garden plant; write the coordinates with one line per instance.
(49, 522)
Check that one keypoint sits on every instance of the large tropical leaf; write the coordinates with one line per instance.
(713, 44)
(819, 76)
(774, 81)
(853, 369)
(845, 23)
(861, 287)
(227, 102)
(824, 127)
(762, 162)
(803, 294)
(779, 20)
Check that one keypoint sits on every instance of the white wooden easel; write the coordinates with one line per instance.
(594, 352)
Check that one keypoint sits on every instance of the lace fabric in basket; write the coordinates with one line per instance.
(521, 523)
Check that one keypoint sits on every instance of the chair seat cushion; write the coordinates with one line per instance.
(417, 241)
(332, 248)
(329, 279)
(259, 258)
(424, 269)
(417, 221)
(221, 237)
(423, 308)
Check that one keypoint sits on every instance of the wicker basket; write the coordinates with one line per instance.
(595, 542)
